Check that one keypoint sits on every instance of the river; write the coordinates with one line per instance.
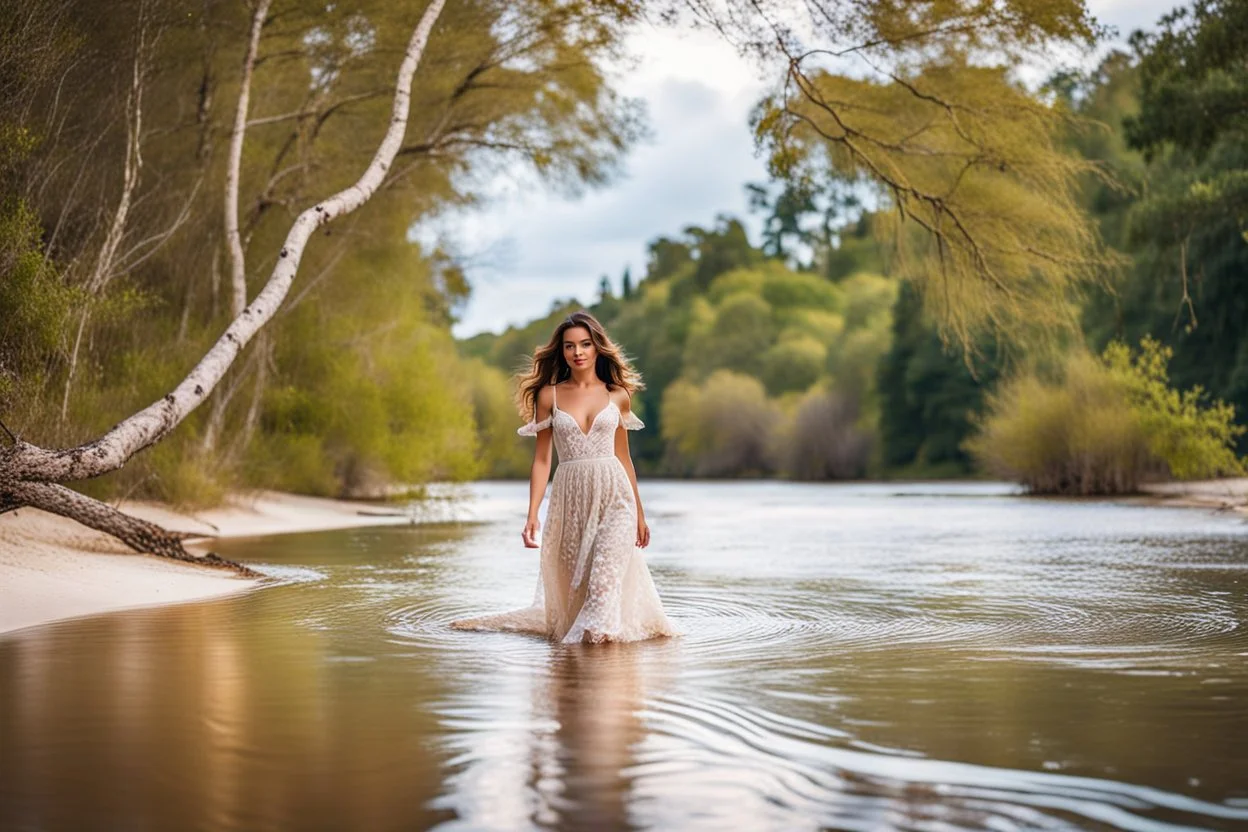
(875, 656)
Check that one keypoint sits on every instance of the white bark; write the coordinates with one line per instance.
(130, 177)
(23, 461)
(103, 270)
(234, 243)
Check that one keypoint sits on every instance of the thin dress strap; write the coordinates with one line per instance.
(554, 400)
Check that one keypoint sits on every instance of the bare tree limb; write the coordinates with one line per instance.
(238, 273)
(221, 403)
(139, 535)
(157, 241)
(320, 114)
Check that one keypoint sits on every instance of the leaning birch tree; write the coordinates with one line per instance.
(34, 476)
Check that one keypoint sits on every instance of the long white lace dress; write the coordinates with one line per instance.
(594, 585)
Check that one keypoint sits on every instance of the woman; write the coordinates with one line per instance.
(594, 586)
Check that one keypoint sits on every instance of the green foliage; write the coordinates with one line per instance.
(386, 402)
(734, 334)
(928, 394)
(1194, 439)
(1181, 217)
(1105, 426)
(720, 428)
(35, 306)
(783, 289)
(1193, 77)
(356, 385)
(793, 364)
(185, 480)
(502, 452)
(775, 339)
(982, 192)
(854, 356)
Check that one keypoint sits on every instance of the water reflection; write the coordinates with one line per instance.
(852, 658)
(222, 715)
(566, 763)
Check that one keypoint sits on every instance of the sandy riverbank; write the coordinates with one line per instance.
(1229, 494)
(52, 568)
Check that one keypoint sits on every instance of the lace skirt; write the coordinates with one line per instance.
(593, 584)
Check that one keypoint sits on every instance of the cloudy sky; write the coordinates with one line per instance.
(529, 246)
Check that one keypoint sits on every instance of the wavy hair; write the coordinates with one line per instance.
(548, 365)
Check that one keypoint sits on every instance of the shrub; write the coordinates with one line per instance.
(1107, 425)
(826, 441)
(721, 428)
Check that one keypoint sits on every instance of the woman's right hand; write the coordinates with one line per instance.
(531, 530)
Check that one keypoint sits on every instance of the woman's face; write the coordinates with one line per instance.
(578, 348)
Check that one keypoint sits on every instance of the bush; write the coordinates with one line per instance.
(826, 441)
(35, 308)
(1109, 424)
(721, 428)
(503, 453)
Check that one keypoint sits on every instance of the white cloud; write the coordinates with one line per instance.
(699, 95)
(1128, 15)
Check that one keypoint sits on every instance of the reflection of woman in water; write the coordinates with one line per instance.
(570, 754)
(594, 585)
(593, 698)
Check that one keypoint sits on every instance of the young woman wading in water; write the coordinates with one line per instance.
(594, 585)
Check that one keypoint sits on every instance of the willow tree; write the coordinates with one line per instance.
(920, 103)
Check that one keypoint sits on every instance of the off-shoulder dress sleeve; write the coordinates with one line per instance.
(631, 422)
(534, 427)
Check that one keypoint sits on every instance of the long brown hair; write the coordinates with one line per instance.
(548, 365)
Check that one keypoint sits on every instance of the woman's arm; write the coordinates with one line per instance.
(539, 474)
(624, 402)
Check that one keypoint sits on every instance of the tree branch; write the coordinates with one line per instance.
(139, 535)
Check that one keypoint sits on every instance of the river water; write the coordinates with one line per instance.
(925, 657)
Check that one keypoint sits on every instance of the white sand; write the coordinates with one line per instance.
(1230, 494)
(52, 568)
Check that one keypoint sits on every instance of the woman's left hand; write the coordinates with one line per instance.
(643, 533)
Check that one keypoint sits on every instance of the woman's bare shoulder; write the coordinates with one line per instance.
(621, 397)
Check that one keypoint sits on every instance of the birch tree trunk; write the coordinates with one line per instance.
(31, 475)
(102, 271)
(234, 243)
(233, 240)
